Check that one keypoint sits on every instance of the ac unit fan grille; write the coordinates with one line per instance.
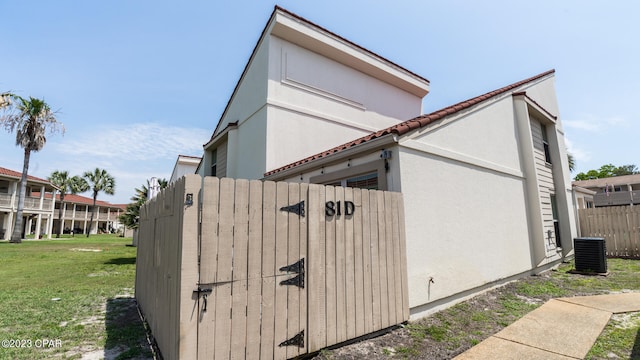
(590, 255)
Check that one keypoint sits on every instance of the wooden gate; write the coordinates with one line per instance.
(285, 269)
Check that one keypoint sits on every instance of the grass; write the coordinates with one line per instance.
(460, 327)
(76, 291)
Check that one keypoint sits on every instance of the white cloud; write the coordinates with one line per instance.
(142, 141)
(595, 124)
(582, 125)
(580, 155)
(131, 154)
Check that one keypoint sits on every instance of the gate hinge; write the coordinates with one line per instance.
(298, 281)
(296, 209)
(297, 340)
(297, 268)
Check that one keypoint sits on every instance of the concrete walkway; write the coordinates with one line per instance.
(563, 328)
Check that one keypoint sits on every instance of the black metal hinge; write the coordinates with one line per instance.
(297, 268)
(297, 340)
(298, 281)
(296, 209)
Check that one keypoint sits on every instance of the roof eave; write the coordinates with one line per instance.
(390, 138)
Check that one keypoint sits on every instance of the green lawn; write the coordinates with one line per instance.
(73, 292)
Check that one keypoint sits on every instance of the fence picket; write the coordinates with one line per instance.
(340, 270)
(254, 268)
(317, 326)
(239, 286)
(330, 271)
(293, 256)
(267, 342)
(349, 258)
(359, 271)
(382, 258)
(282, 243)
(618, 225)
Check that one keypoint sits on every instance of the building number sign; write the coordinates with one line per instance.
(331, 208)
(339, 208)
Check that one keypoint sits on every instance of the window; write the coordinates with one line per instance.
(4, 186)
(545, 144)
(370, 175)
(366, 181)
(214, 162)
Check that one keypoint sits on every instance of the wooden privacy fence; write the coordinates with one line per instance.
(619, 225)
(262, 270)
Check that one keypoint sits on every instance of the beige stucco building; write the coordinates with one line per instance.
(486, 183)
(612, 191)
(41, 212)
(38, 208)
(76, 215)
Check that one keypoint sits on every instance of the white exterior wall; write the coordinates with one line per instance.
(466, 215)
(247, 148)
(184, 166)
(305, 90)
(475, 170)
(316, 103)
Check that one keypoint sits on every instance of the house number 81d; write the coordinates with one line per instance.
(336, 208)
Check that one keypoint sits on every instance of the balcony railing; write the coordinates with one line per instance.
(616, 198)
(81, 215)
(5, 200)
(30, 203)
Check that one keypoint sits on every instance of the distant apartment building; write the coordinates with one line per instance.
(38, 206)
(76, 215)
(41, 212)
(613, 191)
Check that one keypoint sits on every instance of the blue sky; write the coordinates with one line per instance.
(137, 82)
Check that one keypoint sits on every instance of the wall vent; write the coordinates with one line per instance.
(590, 254)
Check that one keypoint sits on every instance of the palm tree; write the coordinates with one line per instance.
(99, 180)
(31, 119)
(5, 99)
(132, 212)
(66, 185)
(572, 162)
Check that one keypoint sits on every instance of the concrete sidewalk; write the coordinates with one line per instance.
(563, 328)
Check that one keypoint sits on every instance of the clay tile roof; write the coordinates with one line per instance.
(18, 175)
(415, 123)
(79, 199)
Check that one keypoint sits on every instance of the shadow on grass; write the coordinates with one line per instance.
(126, 334)
(122, 261)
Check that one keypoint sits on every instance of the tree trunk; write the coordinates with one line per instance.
(93, 211)
(16, 236)
(62, 206)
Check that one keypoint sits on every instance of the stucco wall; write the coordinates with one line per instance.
(316, 103)
(306, 79)
(247, 148)
(466, 226)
